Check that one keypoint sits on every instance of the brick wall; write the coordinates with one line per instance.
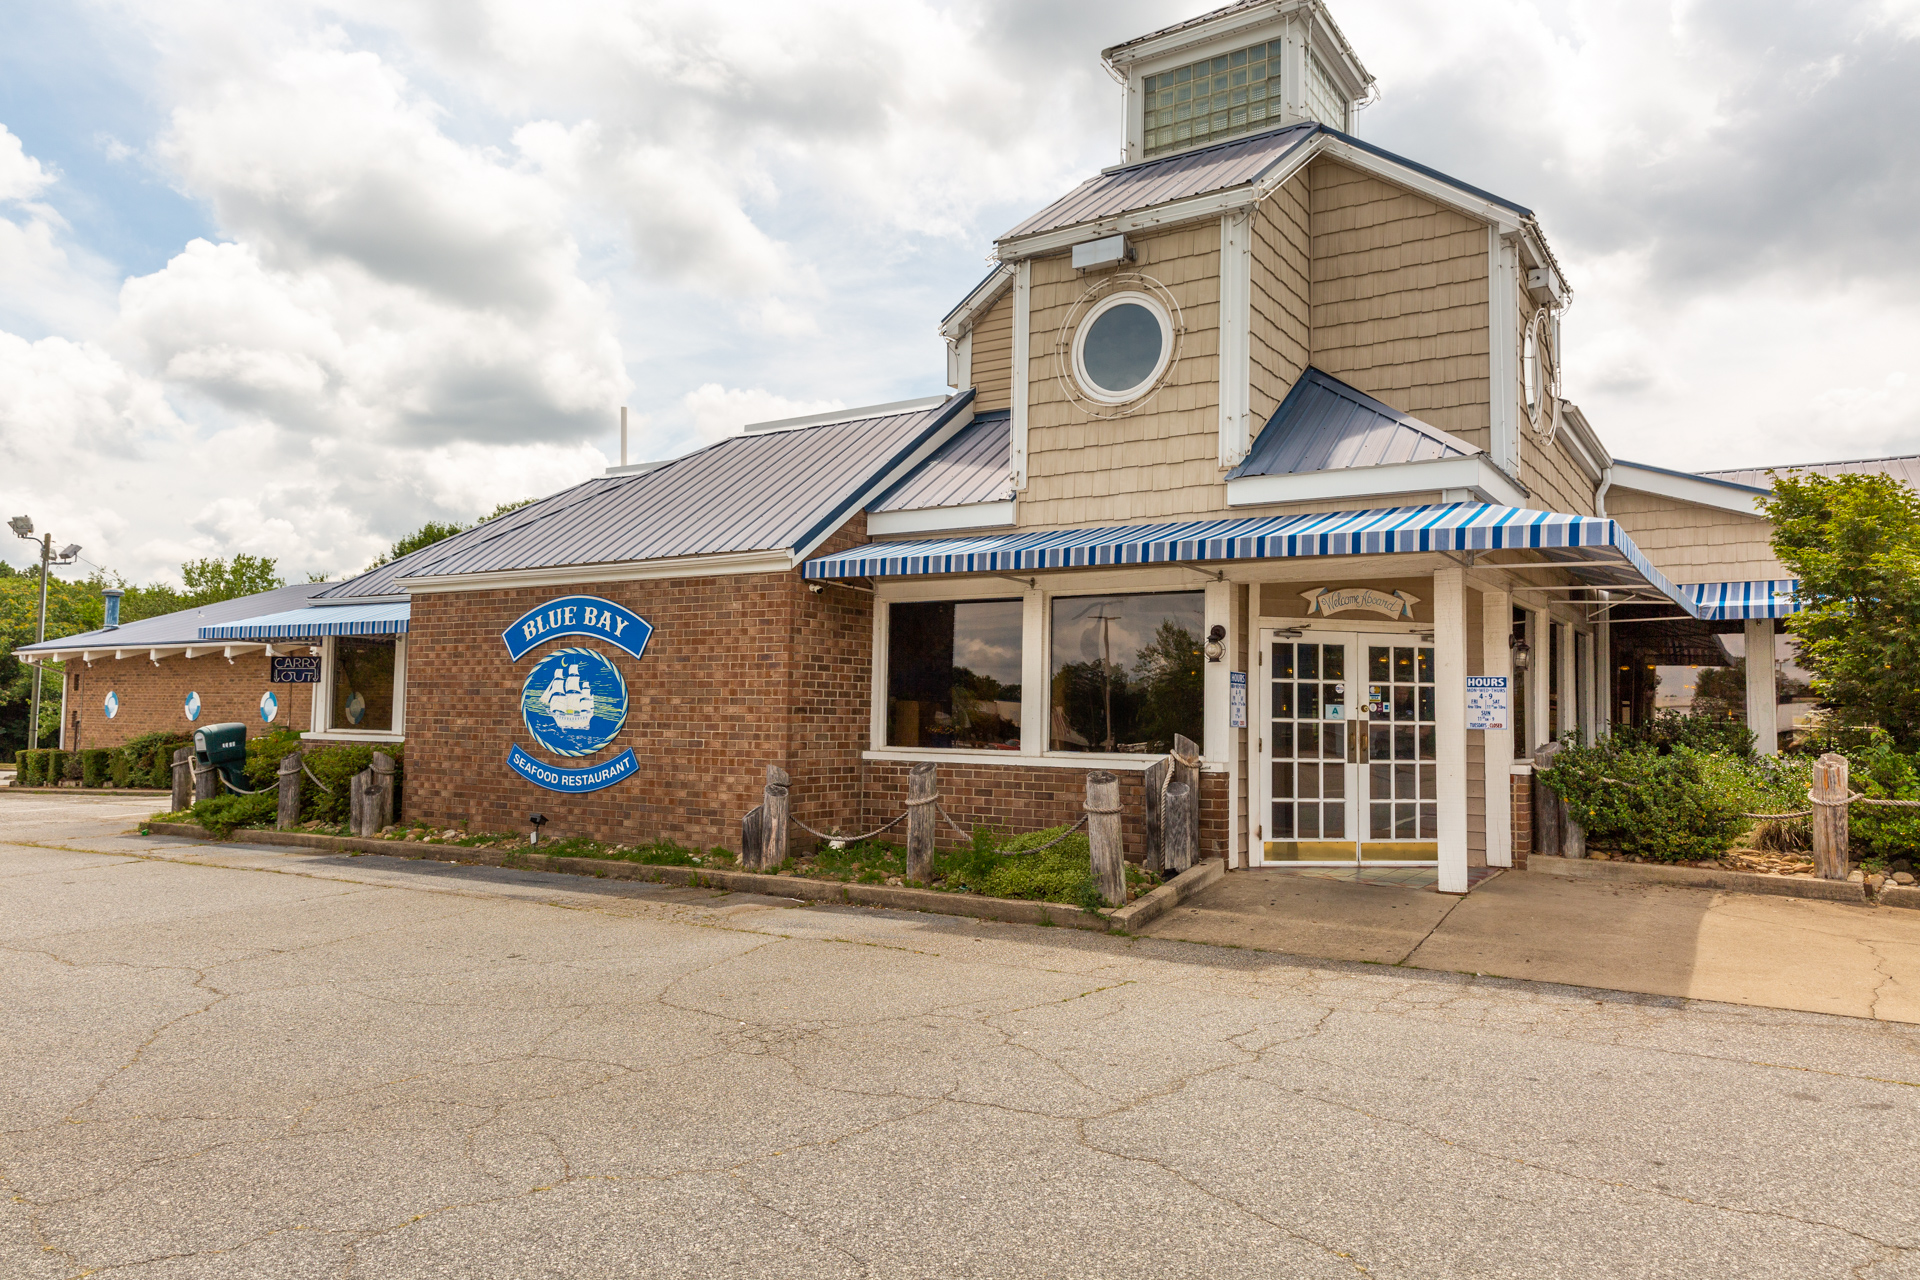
(742, 671)
(153, 698)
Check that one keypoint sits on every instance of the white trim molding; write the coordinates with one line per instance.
(1474, 474)
(1503, 362)
(1236, 343)
(708, 566)
(1022, 371)
(984, 295)
(972, 515)
(1721, 494)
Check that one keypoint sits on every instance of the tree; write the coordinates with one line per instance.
(439, 531)
(212, 579)
(1853, 541)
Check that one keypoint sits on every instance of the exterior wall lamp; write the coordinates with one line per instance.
(1522, 654)
(1216, 643)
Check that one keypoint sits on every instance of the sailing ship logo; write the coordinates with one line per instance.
(574, 702)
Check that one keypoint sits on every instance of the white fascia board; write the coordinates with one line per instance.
(1475, 474)
(890, 409)
(1235, 341)
(972, 515)
(1185, 44)
(1434, 189)
(709, 566)
(1208, 205)
(1587, 449)
(961, 318)
(1698, 490)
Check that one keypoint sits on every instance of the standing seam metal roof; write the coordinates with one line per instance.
(183, 626)
(975, 466)
(1160, 181)
(1326, 425)
(770, 491)
(1904, 468)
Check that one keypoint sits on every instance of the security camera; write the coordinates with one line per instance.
(816, 588)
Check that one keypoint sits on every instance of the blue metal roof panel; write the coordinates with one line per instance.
(1326, 425)
(182, 627)
(385, 619)
(1397, 530)
(975, 466)
(765, 491)
(1155, 182)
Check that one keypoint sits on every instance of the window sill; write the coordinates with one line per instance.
(333, 735)
(1051, 760)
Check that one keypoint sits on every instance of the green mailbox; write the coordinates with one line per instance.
(224, 746)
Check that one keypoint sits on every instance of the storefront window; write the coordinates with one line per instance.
(953, 674)
(1127, 672)
(363, 670)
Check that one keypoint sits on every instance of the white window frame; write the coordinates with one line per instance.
(1036, 592)
(1092, 390)
(323, 698)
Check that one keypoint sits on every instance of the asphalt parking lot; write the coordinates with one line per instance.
(232, 1062)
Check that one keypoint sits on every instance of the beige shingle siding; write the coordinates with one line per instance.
(1399, 298)
(1281, 322)
(1160, 462)
(1553, 479)
(1692, 543)
(993, 357)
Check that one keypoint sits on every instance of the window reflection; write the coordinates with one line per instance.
(953, 674)
(363, 669)
(1127, 672)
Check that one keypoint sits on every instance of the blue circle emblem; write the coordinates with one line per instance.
(269, 706)
(192, 706)
(574, 702)
(112, 705)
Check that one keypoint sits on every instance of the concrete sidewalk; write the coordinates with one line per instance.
(1782, 953)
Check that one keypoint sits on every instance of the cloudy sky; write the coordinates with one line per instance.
(291, 279)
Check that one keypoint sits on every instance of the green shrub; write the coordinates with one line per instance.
(94, 766)
(120, 767)
(221, 814)
(150, 758)
(1669, 729)
(1877, 769)
(29, 768)
(1681, 806)
(53, 767)
(334, 763)
(70, 767)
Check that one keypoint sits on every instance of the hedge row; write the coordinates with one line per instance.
(146, 761)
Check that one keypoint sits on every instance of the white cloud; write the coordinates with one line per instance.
(719, 412)
(22, 177)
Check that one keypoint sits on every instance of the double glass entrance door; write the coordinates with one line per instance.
(1348, 757)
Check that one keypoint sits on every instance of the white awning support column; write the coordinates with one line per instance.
(1761, 703)
(1603, 678)
(1450, 723)
(1496, 659)
(1567, 722)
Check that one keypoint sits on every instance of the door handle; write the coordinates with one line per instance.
(1353, 741)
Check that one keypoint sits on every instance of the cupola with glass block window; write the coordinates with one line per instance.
(1257, 65)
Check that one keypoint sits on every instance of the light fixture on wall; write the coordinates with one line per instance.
(1522, 653)
(1216, 643)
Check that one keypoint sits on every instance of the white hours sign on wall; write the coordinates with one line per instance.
(1487, 702)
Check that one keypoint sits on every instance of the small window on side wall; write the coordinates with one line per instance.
(1127, 672)
(363, 684)
(953, 674)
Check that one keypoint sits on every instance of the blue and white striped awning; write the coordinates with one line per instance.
(1725, 601)
(388, 619)
(1398, 530)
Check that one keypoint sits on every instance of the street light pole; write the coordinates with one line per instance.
(22, 527)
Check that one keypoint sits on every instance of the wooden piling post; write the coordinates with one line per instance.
(1155, 782)
(1186, 748)
(206, 781)
(289, 796)
(1107, 858)
(182, 779)
(382, 797)
(776, 801)
(753, 838)
(1549, 813)
(923, 797)
(1829, 795)
(1180, 826)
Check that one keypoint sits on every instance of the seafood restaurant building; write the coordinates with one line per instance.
(1257, 438)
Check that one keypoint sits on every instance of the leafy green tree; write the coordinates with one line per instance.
(1168, 672)
(213, 579)
(1853, 541)
(439, 531)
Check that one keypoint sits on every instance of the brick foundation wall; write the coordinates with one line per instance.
(1522, 819)
(153, 698)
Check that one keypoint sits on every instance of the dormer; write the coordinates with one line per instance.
(1250, 66)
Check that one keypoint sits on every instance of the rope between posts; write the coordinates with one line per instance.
(316, 782)
(1855, 798)
(845, 839)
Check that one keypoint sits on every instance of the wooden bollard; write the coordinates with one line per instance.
(357, 788)
(1155, 782)
(289, 797)
(1180, 844)
(382, 796)
(1549, 811)
(923, 795)
(1107, 858)
(778, 798)
(182, 779)
(1830, 818)
(753, 838)
(206, 782)
(1186, 747)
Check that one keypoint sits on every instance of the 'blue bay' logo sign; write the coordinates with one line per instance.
(574, 700)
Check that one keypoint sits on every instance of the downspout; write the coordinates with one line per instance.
(1600, 494)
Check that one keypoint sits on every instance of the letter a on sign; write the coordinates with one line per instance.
(578, 616)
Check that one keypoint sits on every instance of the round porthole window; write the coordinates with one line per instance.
(1121, 348)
